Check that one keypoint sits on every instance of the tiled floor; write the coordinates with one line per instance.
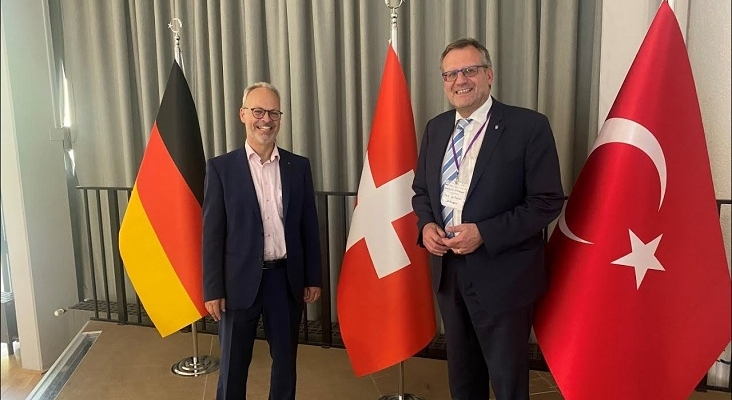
(131, 362)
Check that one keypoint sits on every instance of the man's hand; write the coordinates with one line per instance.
(467, 238)
(312, 294)
(216, 308)
(432, 238)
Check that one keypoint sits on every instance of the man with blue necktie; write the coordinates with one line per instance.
(487, 183)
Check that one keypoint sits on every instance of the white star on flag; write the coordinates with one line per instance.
(373, 217)
(642, 257)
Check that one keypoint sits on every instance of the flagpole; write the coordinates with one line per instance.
(400, 395)
(195, 365)
(682, 17)
(176, 25)
(393, 5)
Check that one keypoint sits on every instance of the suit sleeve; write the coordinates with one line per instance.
(543, 200)
(421, 199)
(214, 235)
(309, 232)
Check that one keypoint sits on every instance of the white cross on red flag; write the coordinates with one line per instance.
(385, 306)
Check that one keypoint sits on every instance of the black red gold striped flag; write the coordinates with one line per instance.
(160, 236)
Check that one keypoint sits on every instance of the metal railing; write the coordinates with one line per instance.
(109, 295)
(103, 208)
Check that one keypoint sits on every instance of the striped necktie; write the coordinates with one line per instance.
(449, 166)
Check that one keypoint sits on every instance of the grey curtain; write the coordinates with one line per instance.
(326, 57)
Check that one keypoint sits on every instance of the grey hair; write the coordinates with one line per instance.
(468, 42)
(258, 85)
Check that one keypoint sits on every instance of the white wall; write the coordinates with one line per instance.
(706, 27)
(34, 192)
(709, 49)
(624, 25)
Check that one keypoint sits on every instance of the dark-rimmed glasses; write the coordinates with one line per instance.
(450, 76)
(259, 113)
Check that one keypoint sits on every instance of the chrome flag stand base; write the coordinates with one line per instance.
(195, 366)
(400, 393)
(406, 396)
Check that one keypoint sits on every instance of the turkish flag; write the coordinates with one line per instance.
(638, 305)
(385, 306)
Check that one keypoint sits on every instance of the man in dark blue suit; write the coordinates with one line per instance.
(261, 250)
(487, 183)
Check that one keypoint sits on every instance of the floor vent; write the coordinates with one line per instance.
(56, 377)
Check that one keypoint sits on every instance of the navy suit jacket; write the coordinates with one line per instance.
(233, 234)
(515, 192)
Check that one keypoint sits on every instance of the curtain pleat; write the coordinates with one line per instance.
(325, 56)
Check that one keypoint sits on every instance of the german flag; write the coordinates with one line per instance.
(160, 236)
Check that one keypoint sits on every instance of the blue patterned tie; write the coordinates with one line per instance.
(449, 168)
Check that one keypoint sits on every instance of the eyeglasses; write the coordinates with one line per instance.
(258, 113)
(450, 76)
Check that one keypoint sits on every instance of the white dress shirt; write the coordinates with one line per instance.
(268, 185)
(467, 163)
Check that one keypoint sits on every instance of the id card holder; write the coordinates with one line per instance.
(454, 195)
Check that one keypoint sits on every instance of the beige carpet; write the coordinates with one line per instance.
(133, 362)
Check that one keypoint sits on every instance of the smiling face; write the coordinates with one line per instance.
(260, 132)
(467, 94)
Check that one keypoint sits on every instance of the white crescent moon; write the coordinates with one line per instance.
(621, 130)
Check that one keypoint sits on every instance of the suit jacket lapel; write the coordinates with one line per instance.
(250, 193)
(285, 175)
(492, 133)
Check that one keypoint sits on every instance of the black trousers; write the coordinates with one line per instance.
(481, 346)
(281, 315)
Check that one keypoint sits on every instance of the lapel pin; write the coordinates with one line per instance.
(496, 127)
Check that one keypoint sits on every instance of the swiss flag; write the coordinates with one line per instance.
(638, 305)
(385, 307)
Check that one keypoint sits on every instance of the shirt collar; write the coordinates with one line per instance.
(251, 153)
(479, 114)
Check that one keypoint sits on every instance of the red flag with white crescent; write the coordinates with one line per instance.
(638, 305)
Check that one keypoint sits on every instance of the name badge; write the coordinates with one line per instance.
(454, 195)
